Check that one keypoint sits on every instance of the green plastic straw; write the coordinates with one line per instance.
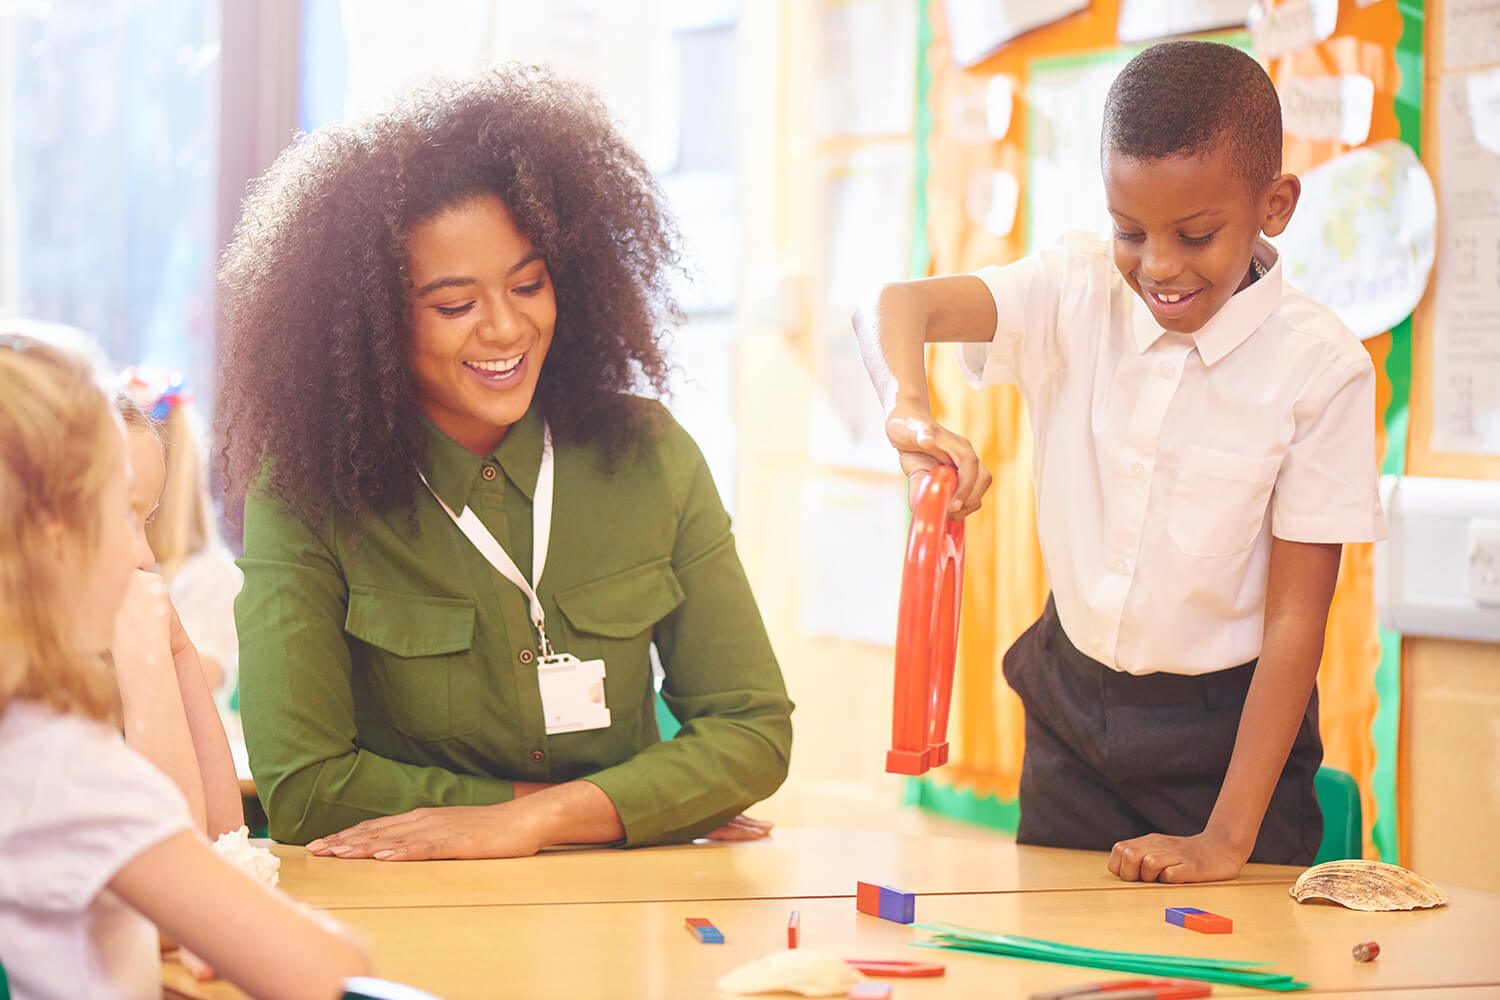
(1237, 973)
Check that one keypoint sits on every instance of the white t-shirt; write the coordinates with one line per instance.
(203, 590)
(76, 804)
(1165, 462)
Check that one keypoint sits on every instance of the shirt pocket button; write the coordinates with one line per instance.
(537, 756)
(526, 656)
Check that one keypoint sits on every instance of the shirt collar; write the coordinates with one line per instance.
(1232, 325)
(452, 469)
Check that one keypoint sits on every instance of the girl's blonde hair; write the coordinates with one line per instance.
(58, 442)
(184, 523)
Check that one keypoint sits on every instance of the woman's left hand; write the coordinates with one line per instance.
(431, 833)
(742, 827)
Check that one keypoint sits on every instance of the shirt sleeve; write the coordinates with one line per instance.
(1026, 295)
(296, 697)
(1328, 487)
(95, 805)
(722, 682)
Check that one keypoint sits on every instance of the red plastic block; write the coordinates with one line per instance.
(870, 991)
(1208, 923)
(793, 928)
(867, 898)
(704, 931)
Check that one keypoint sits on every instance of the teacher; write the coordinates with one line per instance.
(463, 534)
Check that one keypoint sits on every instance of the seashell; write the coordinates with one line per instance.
(1368, 885)
(810, 973)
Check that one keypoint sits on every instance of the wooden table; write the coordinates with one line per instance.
(611, 922)
(791, 862)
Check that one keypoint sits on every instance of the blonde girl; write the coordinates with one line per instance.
(95, 844)
(169, 712)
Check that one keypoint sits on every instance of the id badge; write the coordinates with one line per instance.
(572, 693)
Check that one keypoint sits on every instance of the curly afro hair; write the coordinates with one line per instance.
(1183, 98)
(316, 395)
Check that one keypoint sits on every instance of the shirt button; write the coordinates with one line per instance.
(537, 756)
(526, 656)
(1137, 470)
(1165, 370)
(488, 473)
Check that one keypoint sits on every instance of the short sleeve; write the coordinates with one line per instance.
(1328, 488)
(1026, 297)
(87, 805)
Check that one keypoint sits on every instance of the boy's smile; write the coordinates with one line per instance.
(1185, 228)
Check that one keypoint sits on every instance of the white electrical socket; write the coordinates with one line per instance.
(1484, 561)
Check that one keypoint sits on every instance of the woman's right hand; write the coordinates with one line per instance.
(924, 444)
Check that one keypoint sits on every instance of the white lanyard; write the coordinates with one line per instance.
(541, 527)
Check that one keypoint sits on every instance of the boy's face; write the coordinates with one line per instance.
(1185, 227)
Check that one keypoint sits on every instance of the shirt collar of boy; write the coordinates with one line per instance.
(1232, 325)
(453, 470)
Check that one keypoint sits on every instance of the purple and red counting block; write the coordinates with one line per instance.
(704, 931)
(1198, 920)
(886, 903)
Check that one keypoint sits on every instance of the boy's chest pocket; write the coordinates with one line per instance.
(1220, 501)
(417, 653)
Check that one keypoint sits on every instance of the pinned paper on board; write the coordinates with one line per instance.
(1141, 20)
(979, 27)
(1291, 25)
(1363, 238)
(999, 105)
(867, 52)
(1329, 108)
(853, 536)
(993, 197)
(1471, 34)
(1466, 303)
(865, 228)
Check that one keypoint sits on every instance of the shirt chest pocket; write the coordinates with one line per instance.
(612, 618)
(415, 650)
(1220, 502)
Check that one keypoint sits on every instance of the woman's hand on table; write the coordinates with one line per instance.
(441, 832)
(742, 827)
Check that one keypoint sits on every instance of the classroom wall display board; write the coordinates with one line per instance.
(1006, 156)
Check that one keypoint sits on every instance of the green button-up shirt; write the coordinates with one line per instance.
(393, 667)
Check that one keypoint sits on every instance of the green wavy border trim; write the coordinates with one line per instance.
(1384, 731)
(920, 260)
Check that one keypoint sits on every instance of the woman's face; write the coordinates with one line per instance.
(483, 311)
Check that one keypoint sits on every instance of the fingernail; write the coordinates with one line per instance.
(384, 855)
(316, 845)
(342, 850)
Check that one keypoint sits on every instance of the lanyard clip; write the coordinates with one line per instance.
(544, 644)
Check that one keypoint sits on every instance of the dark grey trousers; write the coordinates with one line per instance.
(1111, 756)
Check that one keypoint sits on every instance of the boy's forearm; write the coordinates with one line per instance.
(892, 342)
(1273, 713)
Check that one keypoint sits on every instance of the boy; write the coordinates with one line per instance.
(1204, 445)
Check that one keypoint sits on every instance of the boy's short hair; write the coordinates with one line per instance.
(1183, 98)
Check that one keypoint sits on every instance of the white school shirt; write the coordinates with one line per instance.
(76, 804)
(203, 589)
(1165, 462)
